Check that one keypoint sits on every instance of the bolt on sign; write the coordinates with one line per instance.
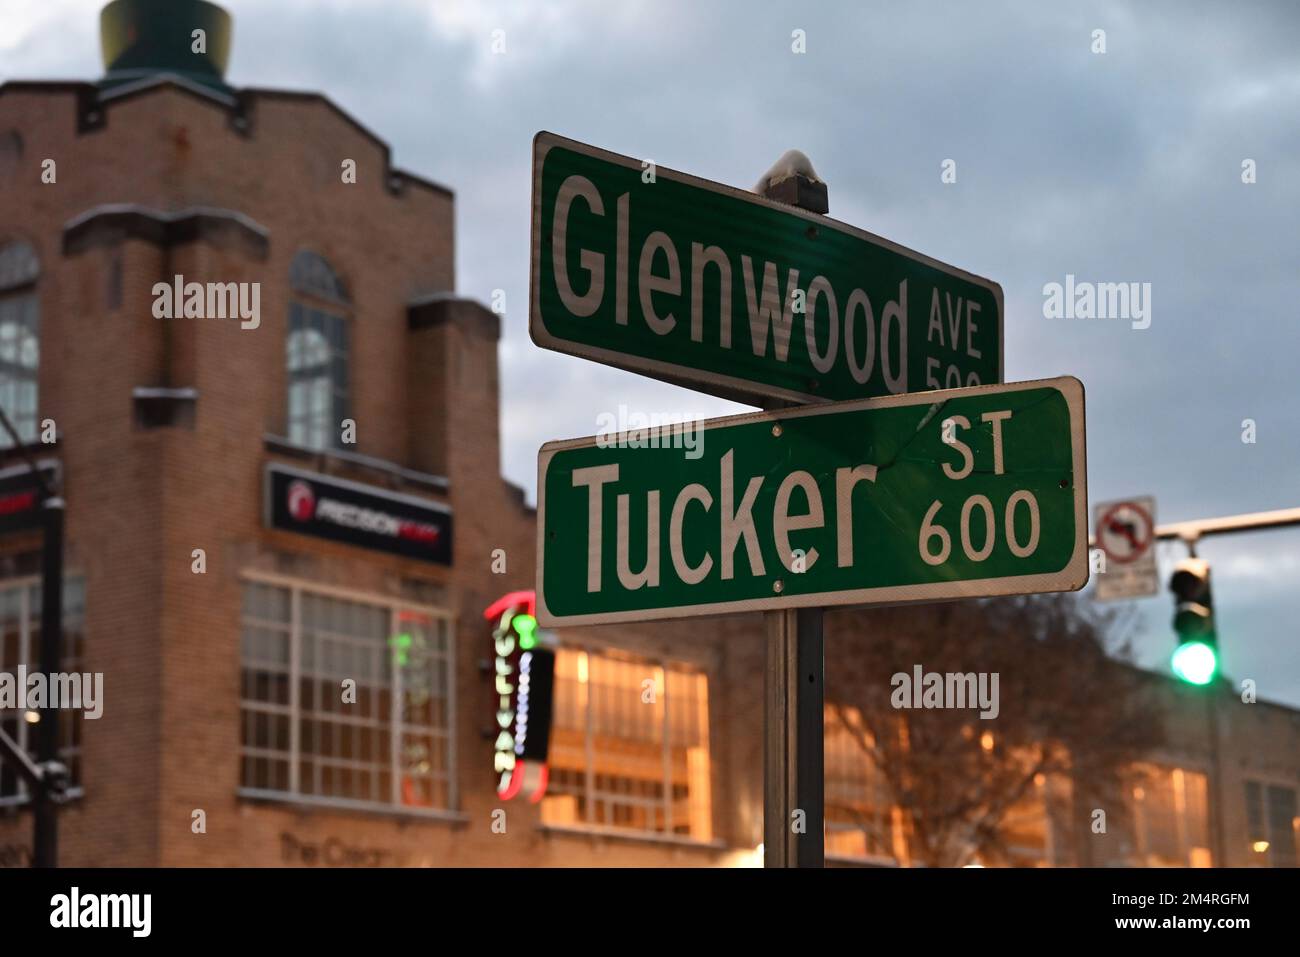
(715, 288)
(922, 497)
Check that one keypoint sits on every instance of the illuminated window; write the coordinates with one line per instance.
(1271, 814)
(301, 739)
(860, 817)
(20, 644)
(19, 339)
(1031, 833)
(317, 352)
(629, 746)
(1170, 820)
(864, 821)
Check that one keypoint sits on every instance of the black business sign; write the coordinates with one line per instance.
(20, 495)
(313, 504)
(533, 705)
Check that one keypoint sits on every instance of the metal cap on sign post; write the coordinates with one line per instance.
(793, 779)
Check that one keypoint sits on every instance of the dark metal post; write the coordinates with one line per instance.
(46, 850)
(793, 740)
(793, 732)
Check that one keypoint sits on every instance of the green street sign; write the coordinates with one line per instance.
(953, 494)
(717, 289)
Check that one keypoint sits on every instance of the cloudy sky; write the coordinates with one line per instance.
(1117, 167)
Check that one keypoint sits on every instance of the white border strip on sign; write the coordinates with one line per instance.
(686, 375)
(1070, 578)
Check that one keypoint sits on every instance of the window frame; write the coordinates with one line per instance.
(333, 304)
(25, 288)
(1265, 784)
(394, 606)
(658, 666)
(840, 754)
(1144, 828)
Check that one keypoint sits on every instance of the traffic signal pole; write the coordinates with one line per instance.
(1190, 533)
(1196, 529)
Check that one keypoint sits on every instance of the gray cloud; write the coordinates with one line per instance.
(1114, 167)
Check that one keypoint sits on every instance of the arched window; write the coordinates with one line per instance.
(317, 353)
(20, 349)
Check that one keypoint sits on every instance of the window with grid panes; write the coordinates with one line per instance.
(20, 644)
(20, 350)
(303, 738)
(629, 746)
(317, 353)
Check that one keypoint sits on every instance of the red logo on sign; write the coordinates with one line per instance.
(302, 501)
(18, 502)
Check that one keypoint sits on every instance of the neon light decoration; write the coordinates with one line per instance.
(524, 676)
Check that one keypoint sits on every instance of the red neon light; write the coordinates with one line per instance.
(516, 782)
(526, 598)
(541, 785)
(525, 601)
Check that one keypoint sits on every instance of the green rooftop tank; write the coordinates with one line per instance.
(143, 38)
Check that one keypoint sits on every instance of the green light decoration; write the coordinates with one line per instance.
(526, 626)
(1195, 662)
(402, 643)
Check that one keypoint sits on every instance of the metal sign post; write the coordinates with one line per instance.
(794, 671)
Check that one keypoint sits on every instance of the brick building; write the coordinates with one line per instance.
(365, 382)
(267, 506)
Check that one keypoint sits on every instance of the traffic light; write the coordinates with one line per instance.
(1196, 659)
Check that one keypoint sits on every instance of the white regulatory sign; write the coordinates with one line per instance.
(1125, 531)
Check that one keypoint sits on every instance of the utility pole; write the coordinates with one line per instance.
(47, 778)
(793, 683)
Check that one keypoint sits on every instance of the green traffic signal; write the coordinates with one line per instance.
(1196, 659)
(1195, 662)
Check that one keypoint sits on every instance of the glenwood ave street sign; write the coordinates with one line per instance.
(921, 497)
(718, 289)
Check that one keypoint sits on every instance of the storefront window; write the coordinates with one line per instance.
(20, 644)
(629, 746)
(345, 700)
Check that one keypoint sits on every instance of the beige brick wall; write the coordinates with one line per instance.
(168, 640)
